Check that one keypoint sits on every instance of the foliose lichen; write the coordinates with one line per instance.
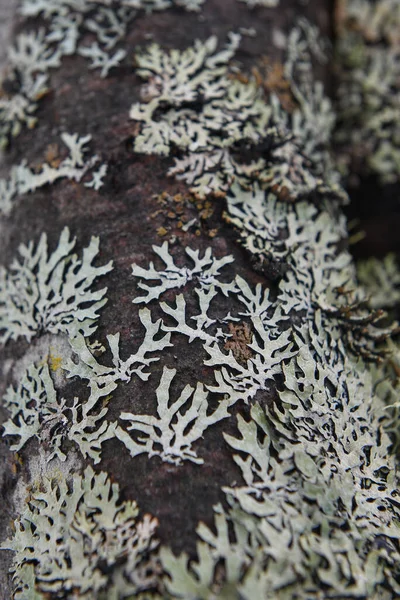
(226, 131)
(381, 280)
(368, 97)
(42, 292)
(68, 25)
(72, 534)
(23, 180)
(314, 509)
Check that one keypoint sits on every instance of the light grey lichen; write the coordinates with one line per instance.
(316, 277)
(23, 180)
(30, 59)
(293, 524)
(316, 504)
(381, 280)
(225, 130)
(136, 365)
(154, 5)
(313, 509)
(33, 8)
(205, 272)
(72, 531)
(239, 380)
(101, 59)
(37, 411)
(266, 3)
(368, 96)
(69, 24)
(318, 476)
(33, 407)
(178, 424)
(42, 292)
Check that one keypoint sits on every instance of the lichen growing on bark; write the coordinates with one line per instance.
(68, 24)
(226, 131)
(312, 506)
(368, 97)
(71, 532)
(23, 180)
(381, 280)
(42, 292)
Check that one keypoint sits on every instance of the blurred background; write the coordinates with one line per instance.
(7, 11)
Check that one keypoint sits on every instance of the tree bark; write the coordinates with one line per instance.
(293, 373)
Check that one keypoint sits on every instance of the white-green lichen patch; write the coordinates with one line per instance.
(303, 512)
(381, 280)
(316, 508)
(266, 3)
(73, 535)
(93, 29)
(368, 59)
(42, 292)
(75, 166)
(178, 424)
(37, 409)
(34, 408)
(225, 130)
(313, 509)
(30, 60)
(315, 278)
(205, 272)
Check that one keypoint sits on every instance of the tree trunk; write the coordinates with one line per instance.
(180, 316)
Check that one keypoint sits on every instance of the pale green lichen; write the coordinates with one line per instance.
(225, 130)
(205, 273)
(178, 424)
(313, 512)
(101, 59)
(316, 276)
(42, 292)
(100, 375)
(68, 24)
(317, 504)
(30, 59)
(266, 3)
(33, 8)
(381, 280)
(368, 95)
(33, 407)
(238, 380)
(23, 180)
(70, 533)
(377, 20)
(38, 412)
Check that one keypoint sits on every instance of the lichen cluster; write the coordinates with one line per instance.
(293, 375)
(381, 280)
(225, 130)
(70, 536)
(75, 166)
(93, 29)
(368, 59)
(325, 428)
(42, 293)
